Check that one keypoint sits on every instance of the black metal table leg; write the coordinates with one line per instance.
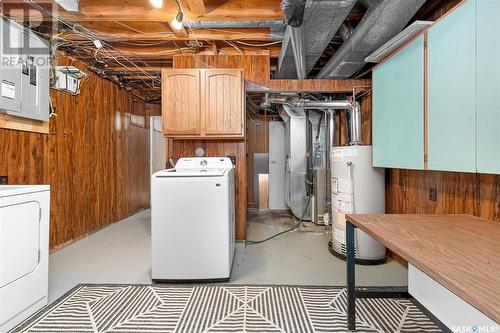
(370, 292)
(351, 284)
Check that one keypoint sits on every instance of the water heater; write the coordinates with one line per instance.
(357, 188)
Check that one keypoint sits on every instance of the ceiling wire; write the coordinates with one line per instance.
(110, 54)
(78, 30)
(257, 44)
(167, 34)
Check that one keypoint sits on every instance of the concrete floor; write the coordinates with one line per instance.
(121, 254)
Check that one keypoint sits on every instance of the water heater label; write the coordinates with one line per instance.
(342, 194)
(338, 155)
(8, 89)
(343, 206)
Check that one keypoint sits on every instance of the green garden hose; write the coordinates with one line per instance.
(252, 242)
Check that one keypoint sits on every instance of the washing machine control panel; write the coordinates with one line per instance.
(204, 162)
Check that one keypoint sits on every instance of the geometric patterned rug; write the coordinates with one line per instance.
(221, 308)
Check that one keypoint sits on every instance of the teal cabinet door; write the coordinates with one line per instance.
(488, 86)
(398, 109)
(452, 91)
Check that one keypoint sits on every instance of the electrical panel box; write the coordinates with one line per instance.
(24, 72)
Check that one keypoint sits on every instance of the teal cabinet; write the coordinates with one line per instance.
(463, 96)
(398, 109)
(452, 91)
(488, 86)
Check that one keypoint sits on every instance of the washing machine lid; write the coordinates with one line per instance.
(209, 163)
(9, 190)
(200, 172)
(198, 167)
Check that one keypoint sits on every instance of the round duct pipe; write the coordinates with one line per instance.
(353, 109)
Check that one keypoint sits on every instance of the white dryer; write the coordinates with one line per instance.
(24, 252)
(192, 220)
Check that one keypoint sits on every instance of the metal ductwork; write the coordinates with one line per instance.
(345, 31)
(299, 52)
(294, 16)
(296, 161)
(69, 5)
(293, 11)
(382, 21)
(322, 19)
(296, 147)
(353, 111)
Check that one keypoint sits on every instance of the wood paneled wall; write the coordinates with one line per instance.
(457, 193)
(256, 68)
(24, 157)
(96, 162)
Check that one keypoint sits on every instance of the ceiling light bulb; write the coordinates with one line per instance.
(156, 3)
(177, 21)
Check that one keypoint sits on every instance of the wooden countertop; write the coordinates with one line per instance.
(461, 252)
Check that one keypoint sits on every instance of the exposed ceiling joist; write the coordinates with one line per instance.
(162, 52)
(137, 10)
(136, 70)
(276, 27)
(197, 7)
(180, 33)
(150, 52)
(111, 31)
(139, 77)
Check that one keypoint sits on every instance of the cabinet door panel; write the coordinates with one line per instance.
(452, 91)
(223, 107)
(398, 109)
(488, 86)
(181, 102)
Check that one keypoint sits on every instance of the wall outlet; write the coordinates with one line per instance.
(4, 180)
(432, 194)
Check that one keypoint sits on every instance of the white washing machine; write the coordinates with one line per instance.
(192, 220)
(24, 252)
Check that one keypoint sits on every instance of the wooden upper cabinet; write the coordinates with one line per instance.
(223, 94)
(181, 102)
(203, 103)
